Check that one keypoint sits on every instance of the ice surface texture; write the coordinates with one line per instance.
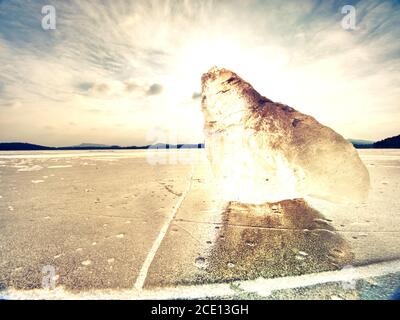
(263, 151)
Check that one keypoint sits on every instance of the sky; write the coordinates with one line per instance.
(128, 72)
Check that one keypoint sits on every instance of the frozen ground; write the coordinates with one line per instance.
(123, 225)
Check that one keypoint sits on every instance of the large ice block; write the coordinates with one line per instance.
(263, 151)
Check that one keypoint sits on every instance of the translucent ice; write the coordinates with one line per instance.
(262, 151)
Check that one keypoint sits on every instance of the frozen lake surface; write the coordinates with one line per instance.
(141, 224)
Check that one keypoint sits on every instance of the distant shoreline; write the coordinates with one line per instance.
(389, 143)
(19, 146)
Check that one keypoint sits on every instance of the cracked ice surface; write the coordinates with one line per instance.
(57, 222)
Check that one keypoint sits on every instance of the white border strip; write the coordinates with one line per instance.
(261, 286)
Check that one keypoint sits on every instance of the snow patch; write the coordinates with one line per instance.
(59, 167)
(28, 169)
(86, 263)
(37, 181)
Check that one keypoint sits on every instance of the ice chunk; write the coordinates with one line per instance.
(86, 263)
(262, 151)
(33, 168)
(37, 181)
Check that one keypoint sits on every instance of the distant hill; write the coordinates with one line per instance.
(17, 146)
(176, 146)
(392, 142)
(361, 144)
(91, 145)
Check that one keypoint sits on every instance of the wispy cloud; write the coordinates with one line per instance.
(138, 64)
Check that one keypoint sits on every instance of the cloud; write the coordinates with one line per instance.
(94, 88)
(119, 89)
(100, 88)
(154, 89)
(131, 86)
(94, 111)
(10, 104)
(84, 86)
(196, 95)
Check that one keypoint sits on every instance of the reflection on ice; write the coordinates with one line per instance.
(273, 240)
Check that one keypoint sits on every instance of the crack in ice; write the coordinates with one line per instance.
(140, 280)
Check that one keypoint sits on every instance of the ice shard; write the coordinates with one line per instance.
(264, 151)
